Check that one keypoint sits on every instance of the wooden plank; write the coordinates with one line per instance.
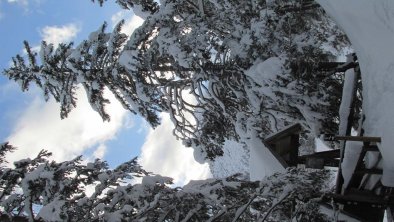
(372, 148)
(359, 138)
(328, 205)
(360, 207)
(323, 154)
(327, 162)
(5, 218)
(357, 199)
(314, 163)
(293, 129)
(331, 162)
(292, 156)
(369, 171)
(366, 212)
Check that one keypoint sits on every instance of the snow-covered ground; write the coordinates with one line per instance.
(234, 160)
(370, 28)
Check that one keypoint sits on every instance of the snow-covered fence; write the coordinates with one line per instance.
(346, 110)
(360, 192)
(358, 187)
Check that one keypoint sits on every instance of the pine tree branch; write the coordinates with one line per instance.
(274, 206)
(243, 208)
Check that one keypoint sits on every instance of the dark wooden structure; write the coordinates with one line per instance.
(355, 200)
(284, 145)
(5, 218)
(320, 159)
(365, 203)
(363, 196)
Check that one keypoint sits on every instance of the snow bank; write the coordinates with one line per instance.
(263, 70)
(52, 211)
(235, 159)
(370, 28)
(262, 162)
(156, 179)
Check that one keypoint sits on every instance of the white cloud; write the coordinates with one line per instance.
(117, 17)
(40, 127)
(100, 151)
(131, 21)
(23, 3)
(26, 4)
(59, 34)
(56, 35)
(163, 154)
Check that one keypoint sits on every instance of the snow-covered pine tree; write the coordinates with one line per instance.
(42, 190)
(142, 8)
(221, 68)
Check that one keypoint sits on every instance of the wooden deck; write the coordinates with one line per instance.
(362, 196)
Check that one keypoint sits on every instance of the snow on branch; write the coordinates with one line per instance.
(39, 189)
(204, 62)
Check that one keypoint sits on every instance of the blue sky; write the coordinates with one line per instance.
(31, 124)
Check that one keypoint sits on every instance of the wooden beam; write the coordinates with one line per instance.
(359, 138)
(372, 148)
(6, 218)
(369, 171)
(373, 201)
(328, 205)
(331, 162)
(324, 154)
(293, 129)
